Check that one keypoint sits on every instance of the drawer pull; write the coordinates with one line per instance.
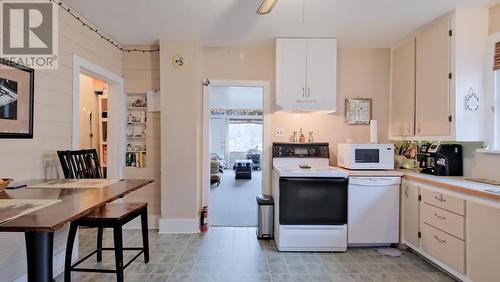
(439, 216)
(440, 198)
(440, 240)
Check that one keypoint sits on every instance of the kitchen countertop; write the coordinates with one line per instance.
(453, 183)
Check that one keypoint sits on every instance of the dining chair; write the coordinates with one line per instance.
(80, 164)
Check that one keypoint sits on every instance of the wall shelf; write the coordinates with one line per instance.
(135, 153)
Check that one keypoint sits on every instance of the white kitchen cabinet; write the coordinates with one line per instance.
(483, 242)
(306, 74)
(432, 80)
(444, 247)
(442, 227)
(403, 89)
(411, 212)
(291, 77)
(449, 58)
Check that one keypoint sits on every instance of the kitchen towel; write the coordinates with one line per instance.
(373, 132)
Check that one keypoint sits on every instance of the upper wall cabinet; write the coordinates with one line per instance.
(403, 89)
(429, 91)
(306, 74)
(433, 80)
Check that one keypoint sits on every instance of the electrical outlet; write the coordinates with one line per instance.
(280, 132)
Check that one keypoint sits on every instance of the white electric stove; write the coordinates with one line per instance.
(310, 199)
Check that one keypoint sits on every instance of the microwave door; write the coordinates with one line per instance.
(366, 158)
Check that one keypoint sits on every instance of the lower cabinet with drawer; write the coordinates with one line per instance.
(460, 233)
(443, 246)
(441, 227)
(443, 220)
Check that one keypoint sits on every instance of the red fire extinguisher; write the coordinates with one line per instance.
(204, 219)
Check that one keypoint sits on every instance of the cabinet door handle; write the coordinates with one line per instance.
(418, 127)
(440, 216)
(439, 240)
(308, 92)
(440, 198)
(406, 191)
(409, 128)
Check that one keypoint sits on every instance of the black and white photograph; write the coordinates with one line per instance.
(8, 99)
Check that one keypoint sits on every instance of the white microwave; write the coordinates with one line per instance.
(366, 156)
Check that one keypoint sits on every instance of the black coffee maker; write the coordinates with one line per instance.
(444, 160)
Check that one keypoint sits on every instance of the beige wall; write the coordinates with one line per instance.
(478, 164)
(363, 73)
(88, 103)
(180, 133)
(36, 158)
(141, 72)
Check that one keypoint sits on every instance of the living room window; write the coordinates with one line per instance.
(245, 135)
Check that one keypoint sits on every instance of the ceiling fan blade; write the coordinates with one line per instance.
(266, 6)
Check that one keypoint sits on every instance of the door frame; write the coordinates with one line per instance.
(266, 134)
(116, 112)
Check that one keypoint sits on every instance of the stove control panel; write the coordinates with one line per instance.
(301, 150)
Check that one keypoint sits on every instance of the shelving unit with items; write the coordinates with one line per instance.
(135, 151)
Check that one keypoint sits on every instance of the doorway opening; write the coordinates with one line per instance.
(110, 116)
(94, 117)
(235, 124)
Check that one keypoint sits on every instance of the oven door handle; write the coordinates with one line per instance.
(315, 179)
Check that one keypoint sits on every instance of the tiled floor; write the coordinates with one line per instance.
(234, 254)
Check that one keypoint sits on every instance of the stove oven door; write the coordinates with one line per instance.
(313, 201)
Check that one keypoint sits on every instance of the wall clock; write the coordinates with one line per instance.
(358, 110)
(178, 61)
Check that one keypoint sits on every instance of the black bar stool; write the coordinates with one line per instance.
(85, 164)
(110, 216)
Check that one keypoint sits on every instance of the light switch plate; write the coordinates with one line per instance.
(280, 132)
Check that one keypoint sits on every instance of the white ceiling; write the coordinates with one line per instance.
(356, 23)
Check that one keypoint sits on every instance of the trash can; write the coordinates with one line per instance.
(265, 225)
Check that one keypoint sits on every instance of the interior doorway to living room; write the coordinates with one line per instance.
(236, 153)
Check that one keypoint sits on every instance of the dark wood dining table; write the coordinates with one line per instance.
(39, 226)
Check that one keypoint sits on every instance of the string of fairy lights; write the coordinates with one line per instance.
(100, 33)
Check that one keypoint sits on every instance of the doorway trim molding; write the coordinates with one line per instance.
(266, 146)
(116, 115)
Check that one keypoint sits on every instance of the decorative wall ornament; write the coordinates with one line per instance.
(178, 61)
(358, 110)
(471, 101)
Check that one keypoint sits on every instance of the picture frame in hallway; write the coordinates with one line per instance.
(16, 100)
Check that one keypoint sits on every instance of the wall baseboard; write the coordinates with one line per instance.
(179, 225)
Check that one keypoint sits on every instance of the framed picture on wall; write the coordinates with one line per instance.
(358, 110)
(16, 100)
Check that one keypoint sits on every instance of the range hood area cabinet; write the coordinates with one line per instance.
(306, 74)
(433, 72)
